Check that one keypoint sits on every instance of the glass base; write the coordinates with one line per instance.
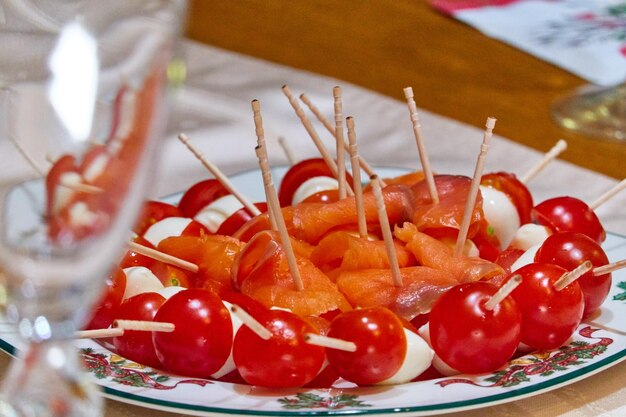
(594, 111)
(47, 381)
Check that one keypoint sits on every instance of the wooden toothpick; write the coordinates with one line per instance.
(274, 206)
(421, 148)
(163, 257)
(608, 268)
(145, 326)
(341, 163)
(356, 178)
(608, 195)
(219, 175)
(287, 150)
(252, 323)
(99, 333)
(265, 170)
(329, 342)
(474, 187)
(503, 292)
(571, 276)
(550, 156)
(366, 166)
(386, 231)
(308, 126)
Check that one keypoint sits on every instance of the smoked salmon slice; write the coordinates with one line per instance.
(311, 221)
(448, 213)
(345, 251)
(421, 286)
(214, 255)
(433, 253)
(262, 273)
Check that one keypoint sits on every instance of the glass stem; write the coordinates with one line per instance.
(47, 381)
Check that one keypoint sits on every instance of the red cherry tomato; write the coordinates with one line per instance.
(106, 308)
(326, 196)
(238, 219)
(137, 345)
(200, 195)
(514, 189)
(469, 337)
(570, 249)
(171, 276)
(202, 339)
(381, 345)
(285, 360)
(507, 258)
(257, 252)
(486, 241)
(299, 173)
(549, 317)
(249, 304)
(133, 258)
(255, 225)
(193, 228)
(152, 212)
(569, 214)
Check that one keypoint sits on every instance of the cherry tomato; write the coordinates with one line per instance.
(469, 337)
(133, 258)
(257, 252)
(133, 344)
(299, 173)
(285, 360)
(202, 340)
(253, 226)
(171, 276)
(326, 196)
(152, 212)
(200, 195)
(549, 317)
(171, 227)
(514, 189)
(249, 304)
(569, 214)
(380, 340)
(238, 219)
(570, 249)
(486, 241)
(507, 258)
(106, 308)
(213, 254)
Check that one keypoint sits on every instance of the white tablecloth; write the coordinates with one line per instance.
(214, 110)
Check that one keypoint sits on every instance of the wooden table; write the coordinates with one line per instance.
(386, 45)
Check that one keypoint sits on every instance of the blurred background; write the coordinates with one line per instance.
(386, 45)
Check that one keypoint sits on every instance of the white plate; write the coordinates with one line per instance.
(596, 346)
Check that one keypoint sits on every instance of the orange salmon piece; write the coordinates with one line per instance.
(271, 284)
(421, 286)
(448, 213)
(214, 255)
(346, 251)
(311, 221)
(433, 253)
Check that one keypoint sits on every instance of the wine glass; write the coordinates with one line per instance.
(594, 111)
(82, 100)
